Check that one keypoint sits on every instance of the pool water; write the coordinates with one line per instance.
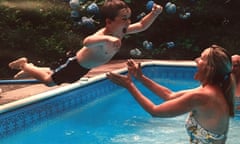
(115, 118)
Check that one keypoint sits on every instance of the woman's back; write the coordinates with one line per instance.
(213, 114)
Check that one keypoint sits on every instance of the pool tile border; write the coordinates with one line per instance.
(30, 110)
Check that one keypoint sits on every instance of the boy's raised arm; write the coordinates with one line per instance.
(146, 21)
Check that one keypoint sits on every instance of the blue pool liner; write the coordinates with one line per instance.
(19, 81)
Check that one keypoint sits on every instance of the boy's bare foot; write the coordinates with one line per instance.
(17, 64)
(21, 75)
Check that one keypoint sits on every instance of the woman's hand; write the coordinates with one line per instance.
(134, 69)
(121, 80)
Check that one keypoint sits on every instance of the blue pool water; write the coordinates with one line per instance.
(106, 117)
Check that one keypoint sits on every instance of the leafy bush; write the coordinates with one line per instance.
(44, 31)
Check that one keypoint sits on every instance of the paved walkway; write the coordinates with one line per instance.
(13, 92)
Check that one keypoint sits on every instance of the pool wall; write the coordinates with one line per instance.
(19, 115)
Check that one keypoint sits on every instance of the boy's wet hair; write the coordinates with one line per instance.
(110, 8)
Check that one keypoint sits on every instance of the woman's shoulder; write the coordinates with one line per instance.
(202, 95)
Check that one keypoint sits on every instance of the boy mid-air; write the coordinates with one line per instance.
(97, 49)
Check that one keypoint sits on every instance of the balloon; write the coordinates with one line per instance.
(74, 14)
(147, 45)
(185, 16)
(135, 52)
(170, 8)
(93, 8)
(149, 5)
(170, 44)
(74, 4)
(87, 22)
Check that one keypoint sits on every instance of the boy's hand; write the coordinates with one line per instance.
(157, 9)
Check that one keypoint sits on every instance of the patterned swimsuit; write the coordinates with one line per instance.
(199, 135)
(237, 100)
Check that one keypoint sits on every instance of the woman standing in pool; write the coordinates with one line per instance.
(236, 72)
(98, 48)
(210, 105)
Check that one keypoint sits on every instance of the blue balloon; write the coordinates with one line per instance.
(87, 22)
(170, 8)
(147, 45)
(188, 14)
(74, 14)
(185, 16)
(74, 4)
(135, 52)
(149, 5)
(170, 44)
(93, 8)
(168, 4)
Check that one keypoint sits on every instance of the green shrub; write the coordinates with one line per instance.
(43, 30)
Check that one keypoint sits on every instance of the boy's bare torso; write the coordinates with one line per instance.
(95, 55)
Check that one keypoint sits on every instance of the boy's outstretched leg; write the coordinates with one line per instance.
(17, 64)
(40, 73)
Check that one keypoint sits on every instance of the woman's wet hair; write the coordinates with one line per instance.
(219, 72)
(221, 63)
(110, 8)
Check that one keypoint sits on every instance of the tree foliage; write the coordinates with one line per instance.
(44, 31)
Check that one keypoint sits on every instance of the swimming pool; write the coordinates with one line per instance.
(98, 111)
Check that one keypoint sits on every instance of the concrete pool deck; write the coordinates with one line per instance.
(14, 92)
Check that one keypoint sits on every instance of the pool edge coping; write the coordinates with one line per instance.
(82, 82)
